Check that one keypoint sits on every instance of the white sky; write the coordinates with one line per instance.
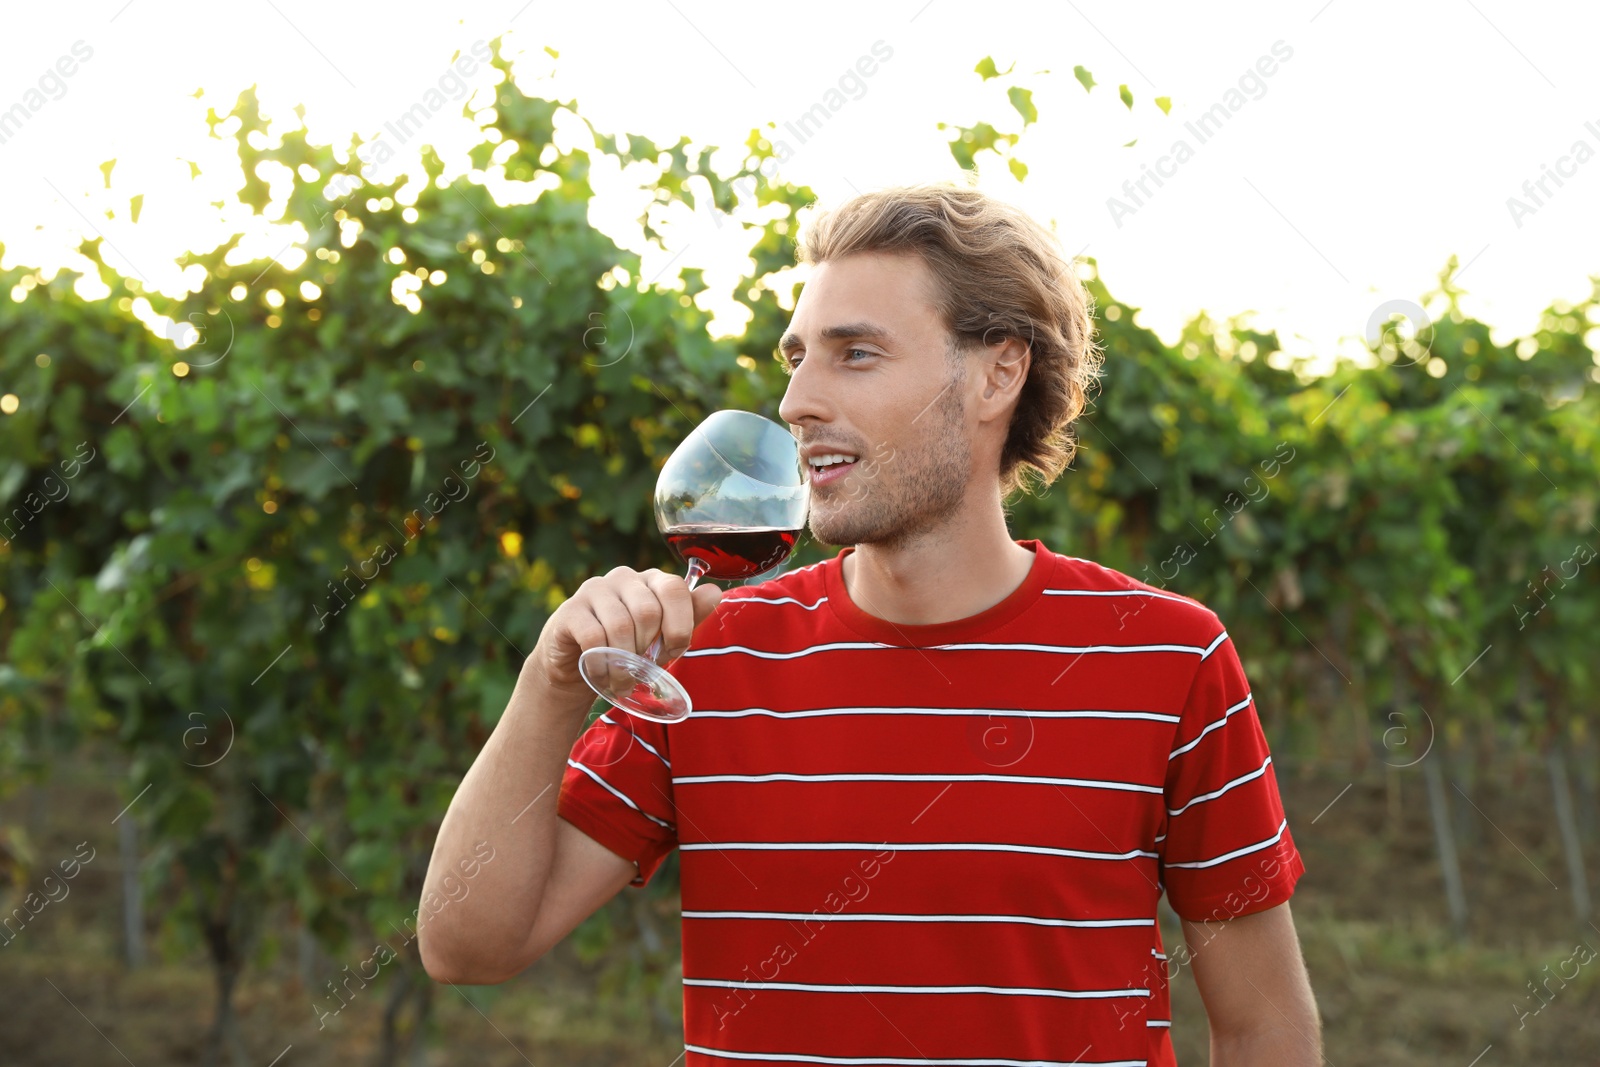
(1391, 139)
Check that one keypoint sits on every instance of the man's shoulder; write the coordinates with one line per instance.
(1159, 605)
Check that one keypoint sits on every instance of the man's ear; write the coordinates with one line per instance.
(1005, 367)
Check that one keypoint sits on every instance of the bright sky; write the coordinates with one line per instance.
(1386, 138)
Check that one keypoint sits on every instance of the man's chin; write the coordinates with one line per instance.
(827, 535)
(831, 531)
(841, 533)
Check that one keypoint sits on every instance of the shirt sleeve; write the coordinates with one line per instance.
(618, 789)
(1226, 849)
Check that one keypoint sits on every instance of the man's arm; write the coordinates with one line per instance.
(486, 915)
(546, 876)
(1257, 994)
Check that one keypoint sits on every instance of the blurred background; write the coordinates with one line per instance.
(338, 346)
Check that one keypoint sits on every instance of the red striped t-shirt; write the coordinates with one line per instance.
(943, 844)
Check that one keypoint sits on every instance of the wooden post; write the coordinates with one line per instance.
(1444, 839)
(309, 957)
(1567, 822)
(1394, 760)
(1583, 758)
(1444, 835)
(1349, 690)
(132, 898)
(1391, 782)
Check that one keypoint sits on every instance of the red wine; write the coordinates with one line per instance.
(732, 552)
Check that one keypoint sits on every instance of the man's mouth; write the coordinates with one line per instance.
(830, 467)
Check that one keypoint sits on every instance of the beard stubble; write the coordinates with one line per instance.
(913, 492)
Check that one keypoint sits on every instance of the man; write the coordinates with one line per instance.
(933, 787)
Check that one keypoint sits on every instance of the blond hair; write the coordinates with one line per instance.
(998, 274)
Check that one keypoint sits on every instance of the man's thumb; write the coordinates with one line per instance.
(706, 598)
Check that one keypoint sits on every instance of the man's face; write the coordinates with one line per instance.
(872, 379)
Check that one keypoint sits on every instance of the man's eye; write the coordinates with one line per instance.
(855, 351)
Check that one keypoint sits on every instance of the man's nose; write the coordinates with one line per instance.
(804, 398)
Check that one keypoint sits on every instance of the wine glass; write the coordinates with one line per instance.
(731, 502)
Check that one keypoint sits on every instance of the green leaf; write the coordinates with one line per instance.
(1165, 104)
(986, 68)
(13, 477)
(311, 472)
(1022, 100)
(970, 141)
(1019, 169)
(1084, 78)
(237, 474)
(133, 559)
(1127, 96)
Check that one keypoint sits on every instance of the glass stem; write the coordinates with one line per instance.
(697, 569)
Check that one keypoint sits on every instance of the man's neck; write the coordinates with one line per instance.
(964, 568)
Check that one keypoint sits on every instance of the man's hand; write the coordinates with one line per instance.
(1256, 991)
(626, 609)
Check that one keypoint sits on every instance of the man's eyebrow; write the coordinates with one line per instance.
(849, 331)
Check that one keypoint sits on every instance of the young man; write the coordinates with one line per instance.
(933, 787)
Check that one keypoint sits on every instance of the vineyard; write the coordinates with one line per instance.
(273, 553)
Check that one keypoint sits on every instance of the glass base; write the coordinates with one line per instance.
(635, 684)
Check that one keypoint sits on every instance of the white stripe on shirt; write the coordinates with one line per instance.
(1113, 592)
(723, 650)
(1214, 794)
(1002, 990)
(833, 646)
(771, 600)
(1024, 779)
(919, 846)
(737, 713)
(620, 795)
(1180, 750)
(647, 745)
(1071, 649)
(897, 1061)
(903, 917)
(1236, 853)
